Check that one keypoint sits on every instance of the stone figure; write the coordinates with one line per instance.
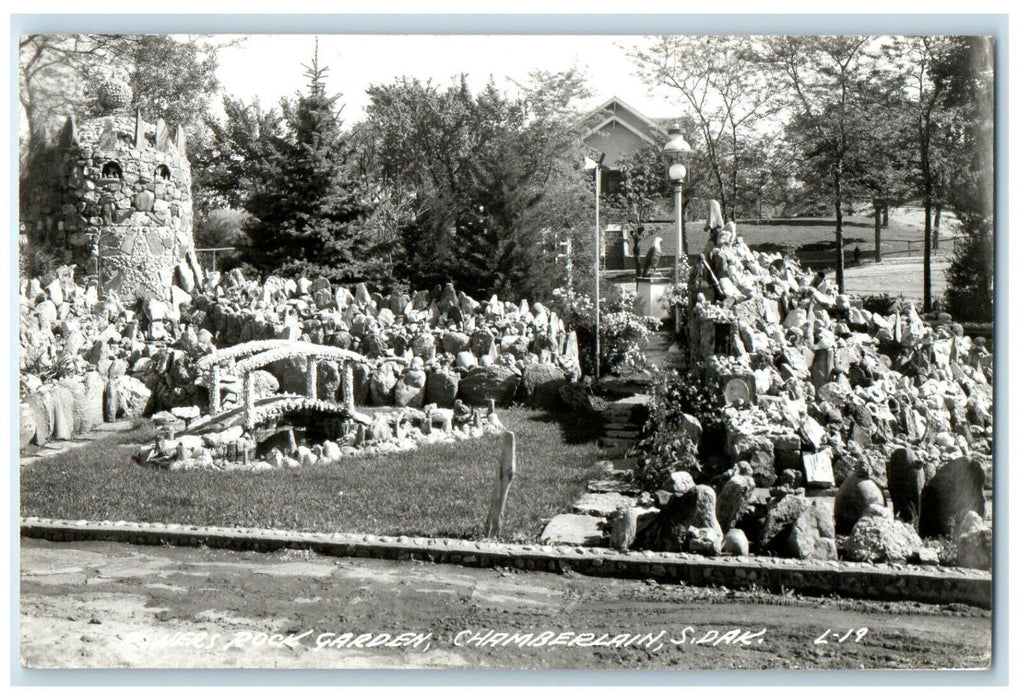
(654, 255)
(714, 222)
(636, 233)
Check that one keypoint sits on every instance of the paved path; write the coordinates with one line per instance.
(103, 605)
(57, 447)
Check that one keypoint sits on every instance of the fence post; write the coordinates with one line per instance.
(507, 468)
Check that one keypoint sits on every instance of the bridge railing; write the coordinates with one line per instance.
(245, 358)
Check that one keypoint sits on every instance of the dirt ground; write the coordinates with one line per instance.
(111, 605)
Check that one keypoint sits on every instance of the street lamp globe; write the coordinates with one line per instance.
(677, 148)
(677, 172)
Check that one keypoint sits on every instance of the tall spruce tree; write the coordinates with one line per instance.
(306, 210)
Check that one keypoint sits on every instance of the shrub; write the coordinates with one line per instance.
(665, 446)
(970, 293)
(883, 304)
(622, 329)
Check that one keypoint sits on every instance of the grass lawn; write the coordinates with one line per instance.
(439, 491)
(813, 240)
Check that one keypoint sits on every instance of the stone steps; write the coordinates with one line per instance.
(622, 422)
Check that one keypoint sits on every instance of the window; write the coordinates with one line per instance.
(162, 172)
(112, 171)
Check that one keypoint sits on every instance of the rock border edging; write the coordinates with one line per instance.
(938, 585)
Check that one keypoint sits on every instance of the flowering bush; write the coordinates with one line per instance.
(666, 445)
(622, 329)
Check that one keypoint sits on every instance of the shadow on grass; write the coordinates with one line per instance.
(574, 428)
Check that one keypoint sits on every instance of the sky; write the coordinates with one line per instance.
(271, 66)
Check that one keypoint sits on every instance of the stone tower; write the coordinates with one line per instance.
(112, 195)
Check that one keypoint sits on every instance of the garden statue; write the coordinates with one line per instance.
(636, 232)
(653, 256)
(715, 221)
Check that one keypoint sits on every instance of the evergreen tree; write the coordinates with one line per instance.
(305, 204)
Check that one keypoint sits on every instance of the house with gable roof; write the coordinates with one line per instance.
(618, 130)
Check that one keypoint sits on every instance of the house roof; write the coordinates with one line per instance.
(615, 110)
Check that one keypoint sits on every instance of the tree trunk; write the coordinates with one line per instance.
(877, 231)
(840, 261)
(927, 228)
(884, 216)
(937, 226)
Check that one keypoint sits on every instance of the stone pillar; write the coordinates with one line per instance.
(249, 401)
(311, 380)
(348, 387)
(214, 390)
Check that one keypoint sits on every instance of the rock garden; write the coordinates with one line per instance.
(806, 426)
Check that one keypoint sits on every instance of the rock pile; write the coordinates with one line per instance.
(451, 345)
(445, 346)
(186, 440)
(821, 393)
(127, 361)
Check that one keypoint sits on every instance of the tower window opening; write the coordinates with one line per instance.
(112, 171)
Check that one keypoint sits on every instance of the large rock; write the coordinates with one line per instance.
(482, 343)
(905, 484)
(731, 499)
(484, 383)
(264, 384)
(573, 529)
(383, 381)
(540, 385)
(131, 396)
(817, 469)
(42, 413)
(410, 389)
(689, 426)
(46, 312)
(813, 534)
(362, 383)
(465, 359)
(957, 487)
(687, 523)
(26, 424)
(441, 387)
(455, 342)
(423, 346)
(679, 482)
(779, 521)
(328, 380)
(876, 538)
(974, 543)
(735, 543)
(854, 497)
(88, 401)
(63, 412)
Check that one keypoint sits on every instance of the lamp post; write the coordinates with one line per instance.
(677, 149)
(596, 165)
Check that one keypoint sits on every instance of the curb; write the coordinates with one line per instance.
(927, 584)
